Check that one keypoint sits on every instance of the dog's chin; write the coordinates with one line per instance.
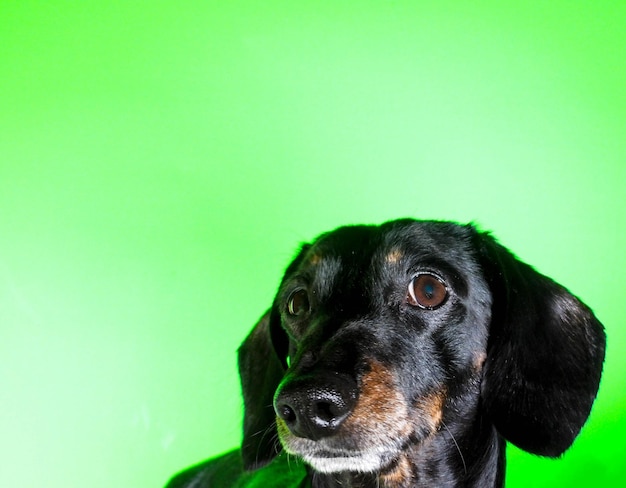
(367, 462)
(370, 460)
(347, 453)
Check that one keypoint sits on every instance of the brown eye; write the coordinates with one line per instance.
(427, 291)
(298, 303)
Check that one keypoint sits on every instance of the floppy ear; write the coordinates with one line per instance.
(261, 367)
(262, 362)
(545, 355)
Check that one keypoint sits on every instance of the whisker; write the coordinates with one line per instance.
(273, 440)
(457, 446)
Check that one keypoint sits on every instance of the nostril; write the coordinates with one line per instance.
(315, 409)
(329, 412)
(323, 411)
(286, 412)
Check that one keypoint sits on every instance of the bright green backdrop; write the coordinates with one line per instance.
(161, 161)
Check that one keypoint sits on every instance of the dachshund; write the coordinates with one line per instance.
(407, 355)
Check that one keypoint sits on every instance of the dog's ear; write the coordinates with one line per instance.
(545, 355)
(261, 367)
(262, 362)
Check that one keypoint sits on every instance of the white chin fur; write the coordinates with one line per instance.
(362, 463)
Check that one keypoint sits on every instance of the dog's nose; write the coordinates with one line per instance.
(315, 408)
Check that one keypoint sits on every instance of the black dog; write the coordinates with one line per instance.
(406, 355)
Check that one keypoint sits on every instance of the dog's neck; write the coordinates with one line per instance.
(472, 458)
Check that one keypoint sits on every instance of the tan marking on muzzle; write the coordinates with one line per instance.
(381, 410)
(432, 407)
(399, 475)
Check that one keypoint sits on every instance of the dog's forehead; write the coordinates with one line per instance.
(344, 253)
(392, 241)
(429, 239)
(355, 253)
(347, 244)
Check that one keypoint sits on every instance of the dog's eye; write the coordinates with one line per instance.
(427, 291)
(298, 303)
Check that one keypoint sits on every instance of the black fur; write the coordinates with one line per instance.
(373, 389)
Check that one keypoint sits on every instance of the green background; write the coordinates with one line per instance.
(161, 161)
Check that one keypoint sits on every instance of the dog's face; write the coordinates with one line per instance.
(415, 341)
(387, 327)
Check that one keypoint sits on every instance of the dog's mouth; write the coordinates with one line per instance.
(380, 427)
(370, 454)
(330, 460)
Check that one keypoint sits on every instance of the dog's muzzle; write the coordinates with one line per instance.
(315, 406)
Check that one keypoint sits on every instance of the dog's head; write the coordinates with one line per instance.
(380, 335)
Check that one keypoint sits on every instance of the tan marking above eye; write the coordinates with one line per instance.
(394, 256)
(479, 361)
(315, 259)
